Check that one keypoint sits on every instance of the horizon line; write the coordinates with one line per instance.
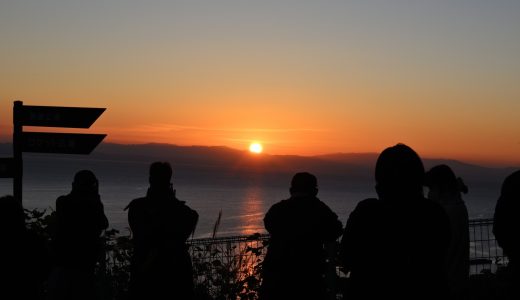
(485, 164)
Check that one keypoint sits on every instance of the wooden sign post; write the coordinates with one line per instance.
(48, 142)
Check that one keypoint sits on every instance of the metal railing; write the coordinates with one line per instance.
(484, 252)
(230, 266)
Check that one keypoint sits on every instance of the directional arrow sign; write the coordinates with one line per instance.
(57, 116)
(69, 143)
(6, 167)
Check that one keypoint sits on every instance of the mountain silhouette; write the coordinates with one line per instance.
(344, 168)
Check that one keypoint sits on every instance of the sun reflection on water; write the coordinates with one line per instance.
(252, 211)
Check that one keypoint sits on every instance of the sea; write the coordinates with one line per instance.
(243, 199)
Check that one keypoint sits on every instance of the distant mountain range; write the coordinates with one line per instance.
(349, 166)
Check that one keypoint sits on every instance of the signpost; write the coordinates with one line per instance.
(48, 142)
(56, 116)
(69, 143)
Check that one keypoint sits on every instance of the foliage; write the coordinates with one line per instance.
(228, 270)
(223, 269)
(114, 271)
(41, 222)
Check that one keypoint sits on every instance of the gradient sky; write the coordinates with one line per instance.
(302, 77)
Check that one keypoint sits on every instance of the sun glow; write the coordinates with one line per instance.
(256, 148)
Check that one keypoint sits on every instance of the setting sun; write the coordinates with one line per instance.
(255, 148)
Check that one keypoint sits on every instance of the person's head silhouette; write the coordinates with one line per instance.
(85, 182)
(304, 184)
(443, 184)
(506, 216)
(160, 175)
(510, 191)
(399, 173)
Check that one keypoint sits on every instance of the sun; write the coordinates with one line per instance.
(256, 148)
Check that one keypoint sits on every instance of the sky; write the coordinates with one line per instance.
(300, 77)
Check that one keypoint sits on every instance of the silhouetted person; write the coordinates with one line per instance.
(395, 246)
(25, 260)
(300, 226)
(161, 224)
(506, 228)
(445, 188)
(80, 220)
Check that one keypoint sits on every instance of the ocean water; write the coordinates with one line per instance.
(243, 198)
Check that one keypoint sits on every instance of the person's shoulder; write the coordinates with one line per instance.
(279, 207)
(370, 207)
(319, 204)
(137, 203)
(62, 200)
(182, 211)
(368, 203)
(282, 204)
(182, 205)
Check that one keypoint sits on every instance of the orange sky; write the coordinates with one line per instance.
(301, 79)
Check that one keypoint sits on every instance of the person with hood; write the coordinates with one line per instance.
(77, 245)
(393, 247)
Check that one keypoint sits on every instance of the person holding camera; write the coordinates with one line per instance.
(76, 244)
(160, 224)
